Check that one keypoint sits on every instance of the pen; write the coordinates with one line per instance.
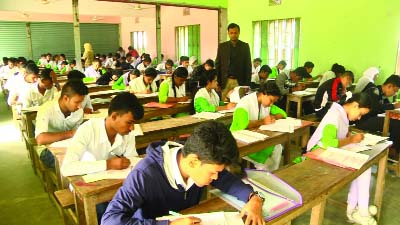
(174, 213)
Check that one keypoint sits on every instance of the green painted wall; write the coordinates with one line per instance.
(355, 33)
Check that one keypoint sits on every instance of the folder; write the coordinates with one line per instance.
(280, 197)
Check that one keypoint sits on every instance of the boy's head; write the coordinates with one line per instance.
(31, 73)
(184, 61)
(347, 78)
(96, 64)
(179, 76)
(123, 111)
(209, 64)
(75, 74)
(147, 60)
(391, 85)
(46, 79)
(269, 93)
(169, 64)
(309, 66)
(133, 74)
(72, 94)
(149, 75)
(281, 65)
(298, 74)
(207, 151)
(257, 62)
(264, 72)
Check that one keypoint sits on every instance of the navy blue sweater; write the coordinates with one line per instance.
(147, 193)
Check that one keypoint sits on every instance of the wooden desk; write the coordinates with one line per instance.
(316, 181)
(97, 88)
(299, 99)
(105, 104)
(104, 94)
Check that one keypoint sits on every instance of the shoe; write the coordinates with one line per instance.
(363, 220)
(372, 209)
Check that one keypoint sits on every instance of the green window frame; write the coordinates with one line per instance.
(188, 41)
(139, 41)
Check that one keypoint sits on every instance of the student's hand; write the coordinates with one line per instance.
(118, 163)
(356, 138)
(183, 99)
(87, 110)
(269, 120)
(147, 91)
(253, 211)
(71, 133)
(396, 105)
(186, 221)
(230, 105)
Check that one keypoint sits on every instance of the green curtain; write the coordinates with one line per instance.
(188, 41)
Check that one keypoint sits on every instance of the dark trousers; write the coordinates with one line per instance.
(47, 158)
(100, 210)
(375, 124)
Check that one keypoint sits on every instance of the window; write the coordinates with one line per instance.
(139, 41)
(276, 40)
(188, 41)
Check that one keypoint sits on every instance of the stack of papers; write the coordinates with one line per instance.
(208, 115)
(214, 218)
(370, 139)
(283, 125)
(147, 95)
(248, 136)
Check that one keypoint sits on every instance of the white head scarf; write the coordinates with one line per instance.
(371, 73)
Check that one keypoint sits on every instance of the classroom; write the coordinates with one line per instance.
(283, 110)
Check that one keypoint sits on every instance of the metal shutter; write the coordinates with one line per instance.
(103, 37)
(13, 40)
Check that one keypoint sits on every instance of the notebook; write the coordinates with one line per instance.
(248, 136)
(208, 115)
(283, 125)
(280, 197)
(214, 218)
(371, 139)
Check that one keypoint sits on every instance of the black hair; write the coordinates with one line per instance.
(348, 73)
(31, 68)
(150, 72)
(126, 102)
(64, 63)
(393, 79)
(209, 62)
(169, 62)
(269, 88)
(282, 62)
(308, 64)
(128, 55)
(74, 87)
(75, 74)
(5, 60)
(233, 25)
(62, 55)
(301, 72)
(73, 62)
(207, 76)
(179, 72)
(257, 60)
(46, 74)
(147, 58)
(363, 99)
(213, 143)
(117, 72)
(265, 68)
(109, 55)
(337, 69)
(12, 60)
(183, 58)
(96, 60)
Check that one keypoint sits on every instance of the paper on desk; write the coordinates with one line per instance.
(214, 218)
(339, 157)
(208, 115)
(147, 95)
(227, 111)
(356, 147)
(138, 130)
(282, 125)
(370, 139)
(61, 144)
(112, 174)
(302, 93)
(311, 90)
(248, 136)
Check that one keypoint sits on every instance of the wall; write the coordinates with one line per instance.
(148, 25)
(357, 34)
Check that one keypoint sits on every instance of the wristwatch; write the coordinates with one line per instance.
(258, 194)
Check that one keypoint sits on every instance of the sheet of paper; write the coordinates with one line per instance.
(371, 139)
(302, 93)
(311, 90)
(208, 115)
(227, 111)
(248, 136)
(61, 144)
(214, 218)
(340, 157)
(147, 95)
(356, 147)
(138, 130)
(282, 125)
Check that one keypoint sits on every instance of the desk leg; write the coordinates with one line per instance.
(90, 210)
(380, 183)
(317, 213)
(287, 105)
(299, 109)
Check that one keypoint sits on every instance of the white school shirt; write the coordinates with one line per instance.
(86, 103)
(255, 70)
(51, 119)
(90, 149)
(20, 89)
(91, 72)
(138, 84)
(212, 98)
(180, 91)
(336, 116)
(250, 104)
(35, 98)
(141, 67)
(255, 78)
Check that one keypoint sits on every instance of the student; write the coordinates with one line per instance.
(206, 99)
(288, 84)
(333, 90)
(93, 70)
(184, 62)
(144, 84)
(144, 64)
(40, 92)
(88, 55)
(108, 61)
(260, 77)
(333, 131)
(133, 52)
(57, 120)
(255, 110)
(166, 67)
(373, 123)
(367, 80)
(22, 82)
(336, 71)
(102, 144)
(256, 66)
(173, 89)
(123, 81)
(42, 62)
(87, 103)
(121, 52)
(192, 64)
(64, 67)
(309, 66)
(173, 177)
(10, 69)
(196, 77)
(109, 77)
(278, 69)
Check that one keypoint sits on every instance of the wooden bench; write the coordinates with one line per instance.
(66, 204)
